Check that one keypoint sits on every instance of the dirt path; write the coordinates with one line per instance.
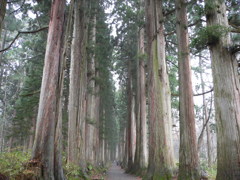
(116, 173)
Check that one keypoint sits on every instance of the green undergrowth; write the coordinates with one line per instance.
(211, 171)
(74, 172)
(13, 165)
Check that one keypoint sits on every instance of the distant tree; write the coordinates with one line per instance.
(3, 4)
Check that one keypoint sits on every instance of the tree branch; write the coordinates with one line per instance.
(236, 28)
(166, 13)
(30, 94)
(200, 94)
(22, 32)
(18, 8)
(170, 33)
(205, 124)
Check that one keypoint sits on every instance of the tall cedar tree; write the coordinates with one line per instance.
(188, 155)
(140, 160)
(47, 135)
(161, 161)
(91, 118)
(77, 86)
(226, 95)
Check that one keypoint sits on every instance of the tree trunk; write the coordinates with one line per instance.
(44, 150)
(209, 146)
(143, 119)
(3, 125)
(188, 155)
(133, 127)
(77, 101)
(161, 161)
(101, 134)
(140, 161)
(125, 158)
(10, 144)
(25, 145)
(3, 5)
(130, 117)
(97, 116)
(205, 117)
(33, 128)
(226, 96)
(3, 43)
(91, 122)
(58, 135)
(136, 165)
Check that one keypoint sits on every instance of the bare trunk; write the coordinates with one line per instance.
(10, 144)
(133, 128)
(77, 100)
(205, 117)
(125, 158)
(47, 120)
(226, 96)
(3, 125)
(58, 172)
(33, 128)
(209, 146)
(140, 161)
(161, 161)
(123, 144)
(3, 4)
(188, 155)
(143, 119)
(97, 117)
(91, 121)
(3, 43)
(136, 168)
(25, 145)
(131, 111)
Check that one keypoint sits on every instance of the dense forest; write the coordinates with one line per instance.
(151, 86)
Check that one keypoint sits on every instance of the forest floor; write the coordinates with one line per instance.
(116, 173)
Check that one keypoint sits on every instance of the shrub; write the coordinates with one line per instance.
(12, 163)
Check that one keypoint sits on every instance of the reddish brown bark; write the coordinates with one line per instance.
(47, 120)
(188, 155)
(161, 161)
